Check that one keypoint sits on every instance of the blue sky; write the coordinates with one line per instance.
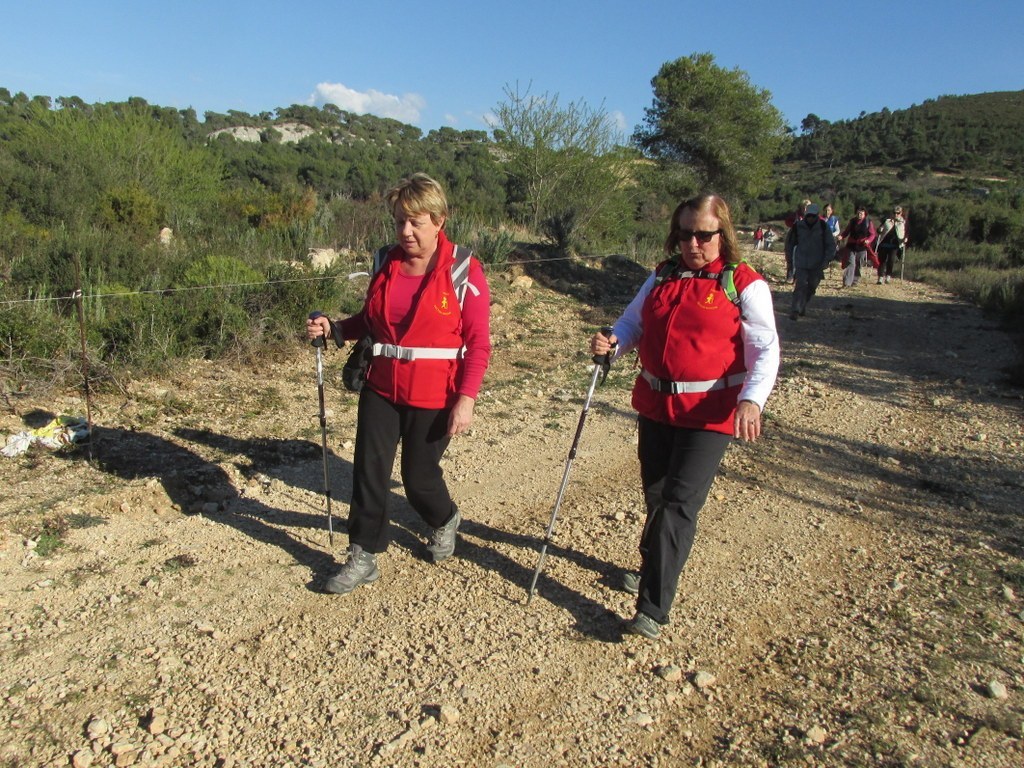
(447, 62)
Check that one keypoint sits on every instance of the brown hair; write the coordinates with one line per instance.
(418, 194)
(717, 207)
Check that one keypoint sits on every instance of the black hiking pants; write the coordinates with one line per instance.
(887, 256)
(807, 282)
(677, 467)
(423, 433)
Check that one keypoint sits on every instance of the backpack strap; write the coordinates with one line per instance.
(728, 281)
(460, 270)
(379, 258)
(671, 270)
(460, 274)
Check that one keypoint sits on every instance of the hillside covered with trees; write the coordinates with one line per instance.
(86, 188)
(979, 134)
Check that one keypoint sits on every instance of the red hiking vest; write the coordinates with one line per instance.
(691, 351)
(403, 370)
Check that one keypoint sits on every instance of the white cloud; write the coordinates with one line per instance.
(406, 108)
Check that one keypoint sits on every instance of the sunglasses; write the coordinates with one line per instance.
(702, 236)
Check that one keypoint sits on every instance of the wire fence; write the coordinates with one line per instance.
(320, 278)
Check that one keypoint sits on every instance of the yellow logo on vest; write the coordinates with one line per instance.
(708, 302)
(444, 307)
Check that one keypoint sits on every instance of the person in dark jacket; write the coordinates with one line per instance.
(810, 247)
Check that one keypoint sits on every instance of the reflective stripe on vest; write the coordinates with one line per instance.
(399, 352)
(690, 387)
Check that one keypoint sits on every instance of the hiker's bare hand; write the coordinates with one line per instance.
(747, 423)
(461, 416)
(601, 344)
(317, 327)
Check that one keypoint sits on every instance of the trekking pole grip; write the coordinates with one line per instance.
(319, 341)
(605, 360)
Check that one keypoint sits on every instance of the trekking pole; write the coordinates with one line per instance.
(601, 363)
(319, 343)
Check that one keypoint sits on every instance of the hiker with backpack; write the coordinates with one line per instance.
(892, 239)
(831, 221)
(810, 247)
(704, 327)
(790, 222)
(859, 234)
(427, 311)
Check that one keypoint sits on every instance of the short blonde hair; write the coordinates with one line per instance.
(416, 195)
(718, 208)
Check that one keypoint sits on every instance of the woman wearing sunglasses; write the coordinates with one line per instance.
(704, 326)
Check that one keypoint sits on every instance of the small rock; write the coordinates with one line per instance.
(1008, 594)
(522, 281)
(97, 728)
(670, 673)
(816, 735)
(448, 714)
(996, 690)
(704, 680)
(121, 747)
(157, 724)
(81, 759)
(642, 719)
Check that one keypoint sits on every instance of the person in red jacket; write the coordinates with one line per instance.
(704, 326)
(860, 234)
(430, 355)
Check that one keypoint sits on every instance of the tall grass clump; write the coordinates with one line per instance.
(988, 276)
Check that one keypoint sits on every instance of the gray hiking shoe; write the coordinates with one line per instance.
(442, 540)
(631, 582)
(642, 624)
(360, 568)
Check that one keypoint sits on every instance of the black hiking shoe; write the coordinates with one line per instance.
(631, 582)
(644, 625)
(442, 540)
(360, 568)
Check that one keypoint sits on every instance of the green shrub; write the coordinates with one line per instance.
(492, 246)
(212, 303)
(561, 232)
(132, 209)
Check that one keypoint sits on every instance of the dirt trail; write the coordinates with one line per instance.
(854, 596)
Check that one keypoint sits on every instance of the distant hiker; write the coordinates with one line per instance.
(859, 234)
(429, 359)
(791, 220)
(769, 238)
(810, 246)
(892, 238)
(795, 216)
(831, 221)
(758, 238)
(704, 326)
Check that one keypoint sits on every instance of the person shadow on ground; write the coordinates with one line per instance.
(198, 486)
(298, 464)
